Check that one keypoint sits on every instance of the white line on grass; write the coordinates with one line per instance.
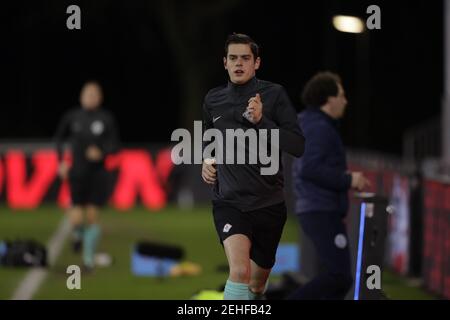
(34, 278)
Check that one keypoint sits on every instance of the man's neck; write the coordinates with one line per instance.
(249, 81)
(326, 109)
(243, 89)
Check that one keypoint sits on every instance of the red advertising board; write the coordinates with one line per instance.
(25, 181)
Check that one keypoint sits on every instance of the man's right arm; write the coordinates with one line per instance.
(207, 124)
(208, 165)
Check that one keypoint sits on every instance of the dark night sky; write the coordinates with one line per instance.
(123, 45)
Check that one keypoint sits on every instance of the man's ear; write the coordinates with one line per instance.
(257, 63)
(329, 99)
(225, 63)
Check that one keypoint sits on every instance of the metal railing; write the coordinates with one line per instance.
(423, 141)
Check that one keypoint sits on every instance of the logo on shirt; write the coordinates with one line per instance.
(340, 241)
(227, 227)
(216, 118)
(97, 127)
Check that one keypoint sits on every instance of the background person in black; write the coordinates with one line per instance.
(92, 135)
(248, 208)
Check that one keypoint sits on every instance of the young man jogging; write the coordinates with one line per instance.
(248, 207)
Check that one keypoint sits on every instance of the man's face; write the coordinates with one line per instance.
(91, 96)
(338, 103)
(240, 63)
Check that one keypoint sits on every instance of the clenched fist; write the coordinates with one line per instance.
(253, 113)
(209, 171)
(359, 182)
(93, 153)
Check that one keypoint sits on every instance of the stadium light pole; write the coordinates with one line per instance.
(446, 99)
(355, 25)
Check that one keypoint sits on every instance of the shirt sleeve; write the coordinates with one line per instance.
(111, 141)
(292, 140)
(207, 124)
(61, 134)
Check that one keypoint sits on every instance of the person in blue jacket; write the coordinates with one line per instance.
(321, 184)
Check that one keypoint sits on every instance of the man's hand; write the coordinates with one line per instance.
(209, 171)
(63, 170)
(253, 112)
(93, 153)
(359, 182)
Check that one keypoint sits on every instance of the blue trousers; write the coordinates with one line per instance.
(329, 236)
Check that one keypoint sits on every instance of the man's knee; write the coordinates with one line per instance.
(76, 215)
(258, 286)
(240, 273)
(92, 214)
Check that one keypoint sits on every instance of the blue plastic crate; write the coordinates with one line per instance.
(287, 258)
(148, 266)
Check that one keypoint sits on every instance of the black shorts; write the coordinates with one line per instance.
(89, 186)
(262, 226)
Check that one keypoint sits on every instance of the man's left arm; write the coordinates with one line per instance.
(292, 140)
(111, 139)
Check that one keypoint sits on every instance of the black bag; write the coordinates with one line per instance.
(160, 250)
(24, 253)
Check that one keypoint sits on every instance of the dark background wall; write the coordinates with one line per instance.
(157, 59)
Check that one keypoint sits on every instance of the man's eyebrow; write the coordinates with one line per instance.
(242, 55)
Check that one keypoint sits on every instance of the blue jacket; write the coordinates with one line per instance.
(320, 176)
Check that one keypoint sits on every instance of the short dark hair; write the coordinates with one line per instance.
(321, 86)
(243, 39)
(91, 82)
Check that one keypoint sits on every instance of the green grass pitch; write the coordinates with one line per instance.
(193, 229)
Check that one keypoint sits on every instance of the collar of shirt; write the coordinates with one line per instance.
(243, 89)
(334, 122)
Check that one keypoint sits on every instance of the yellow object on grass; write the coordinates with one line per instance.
(185, 269)
(208, 295)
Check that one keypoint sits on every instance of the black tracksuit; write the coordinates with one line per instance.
(83, 128)
(242, 185)
(245, 201)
